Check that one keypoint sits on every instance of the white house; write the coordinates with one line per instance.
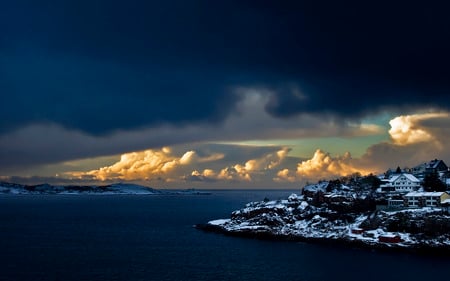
(401, 183)
(425, 199)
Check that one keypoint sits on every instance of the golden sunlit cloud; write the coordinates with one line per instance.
(145, 165)
(208, 173)
(245, 172)
(285, 175)
(407, 129)
(254, 166)
(413, 138)
(323, 165)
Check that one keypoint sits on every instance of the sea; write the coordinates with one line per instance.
(151, 237)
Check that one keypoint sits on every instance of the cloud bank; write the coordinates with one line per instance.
(408, 129)
(413, 139)
(251, 170)
(145, 165)
(53, 143)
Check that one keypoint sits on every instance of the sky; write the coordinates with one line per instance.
(220, 94)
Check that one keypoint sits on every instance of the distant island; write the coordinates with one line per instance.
(396, 210)
(117, 188)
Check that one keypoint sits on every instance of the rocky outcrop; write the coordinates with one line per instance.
(295, 219)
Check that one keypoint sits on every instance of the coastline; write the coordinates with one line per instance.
(414, 249)
(295, 220)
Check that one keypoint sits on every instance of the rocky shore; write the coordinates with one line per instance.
(423, 230)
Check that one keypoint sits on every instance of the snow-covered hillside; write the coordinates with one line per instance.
(296, 219)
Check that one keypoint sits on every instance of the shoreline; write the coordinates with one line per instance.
(421, 249)
(351, 223)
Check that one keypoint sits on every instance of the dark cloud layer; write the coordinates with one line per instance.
(100, 66)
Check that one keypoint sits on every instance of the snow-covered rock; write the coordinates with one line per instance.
(296, 219)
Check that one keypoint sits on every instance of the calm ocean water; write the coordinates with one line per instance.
(152, 238)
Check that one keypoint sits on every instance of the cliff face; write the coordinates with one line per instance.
(297, 219)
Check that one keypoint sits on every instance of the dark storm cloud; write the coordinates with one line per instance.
(100, 97)
(99, 66)
(50, 143)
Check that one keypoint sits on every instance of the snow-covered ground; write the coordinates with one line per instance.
(296, 218)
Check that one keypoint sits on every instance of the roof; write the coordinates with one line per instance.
(430, 194)
(411, 177)
(406, 175)
(394, 178)
(434, 163)
(389, 235)
(431, 164)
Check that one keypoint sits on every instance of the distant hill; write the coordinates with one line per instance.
(117, 188)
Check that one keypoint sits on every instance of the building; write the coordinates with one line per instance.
(396, 203)
(433, 166)
(401, 183)
(389, 238)
(425, 199)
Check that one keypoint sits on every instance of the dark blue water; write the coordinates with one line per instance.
(152, 238)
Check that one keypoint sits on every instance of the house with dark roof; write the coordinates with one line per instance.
(433, 166)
